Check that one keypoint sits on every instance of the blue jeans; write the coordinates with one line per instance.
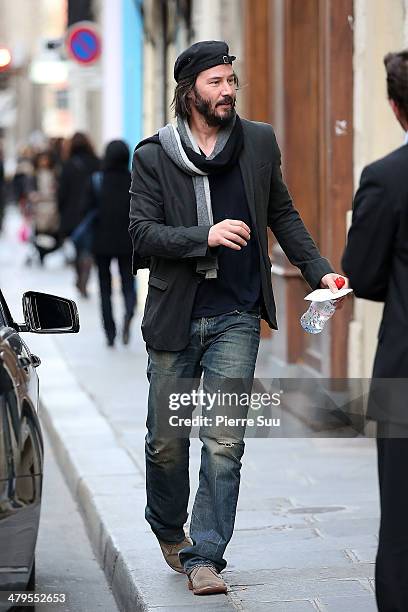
(223, 349)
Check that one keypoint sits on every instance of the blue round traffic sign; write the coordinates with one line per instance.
(84, 43)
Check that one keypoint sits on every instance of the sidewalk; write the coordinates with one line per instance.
(308, 513)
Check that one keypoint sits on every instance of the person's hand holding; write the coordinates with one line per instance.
(328, 281)
(231, 233)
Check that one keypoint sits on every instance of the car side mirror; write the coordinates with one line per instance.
(49, 314)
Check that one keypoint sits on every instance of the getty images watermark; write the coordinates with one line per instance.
(216, 404)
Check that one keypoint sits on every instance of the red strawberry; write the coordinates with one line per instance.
(339, 282)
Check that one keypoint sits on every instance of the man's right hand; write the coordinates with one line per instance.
(231, 233)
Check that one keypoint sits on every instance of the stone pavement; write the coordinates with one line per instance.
(308, 512)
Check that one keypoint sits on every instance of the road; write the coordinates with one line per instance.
(65, 561)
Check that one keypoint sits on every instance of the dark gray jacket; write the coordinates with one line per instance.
(165, 234)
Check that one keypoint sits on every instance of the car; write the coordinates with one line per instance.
(21, 441)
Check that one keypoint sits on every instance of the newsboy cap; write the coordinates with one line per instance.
(201, 56)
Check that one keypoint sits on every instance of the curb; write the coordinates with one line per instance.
(118, 576)
(110, 492)
(57, 425)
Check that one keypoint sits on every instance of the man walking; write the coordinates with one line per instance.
(204, 193)
(376, 262)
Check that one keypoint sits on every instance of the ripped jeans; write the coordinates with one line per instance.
(223, 349)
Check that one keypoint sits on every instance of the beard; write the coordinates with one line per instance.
(205, 108)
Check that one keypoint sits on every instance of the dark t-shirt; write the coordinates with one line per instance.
(238, 285)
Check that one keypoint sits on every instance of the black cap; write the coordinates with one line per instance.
(201, 56)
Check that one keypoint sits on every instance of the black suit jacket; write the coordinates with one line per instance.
(165, 234)
(376, 262)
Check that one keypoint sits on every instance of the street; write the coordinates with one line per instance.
(65, 562)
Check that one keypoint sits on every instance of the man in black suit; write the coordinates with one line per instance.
(203, 195)
(376, 262)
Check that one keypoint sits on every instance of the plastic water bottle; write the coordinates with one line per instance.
(315, 317)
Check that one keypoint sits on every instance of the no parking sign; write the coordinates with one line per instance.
(83, 42)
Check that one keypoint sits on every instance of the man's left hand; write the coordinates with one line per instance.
(328, 282)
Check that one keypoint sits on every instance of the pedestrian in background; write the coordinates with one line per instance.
(376, 262)
(81, 162)
(43, 198)
(204, 192)
(108, 195)
(22, 179)
(56, 146)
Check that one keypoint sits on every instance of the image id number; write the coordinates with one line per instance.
(27, 598)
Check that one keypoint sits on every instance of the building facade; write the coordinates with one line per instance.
(315, 71)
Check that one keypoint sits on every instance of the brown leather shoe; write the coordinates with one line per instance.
(170, 553)
(204, 580)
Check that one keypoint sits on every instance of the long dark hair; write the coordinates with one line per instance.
(80, 143)
(396, 65)
(116, 156)
(181, 102)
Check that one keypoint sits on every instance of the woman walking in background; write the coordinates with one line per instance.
(22, 184)
(111, 240)
(80, 164)
(43, 199)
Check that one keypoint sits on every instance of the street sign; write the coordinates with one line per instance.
(83, 42)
